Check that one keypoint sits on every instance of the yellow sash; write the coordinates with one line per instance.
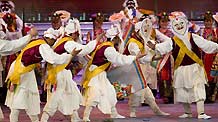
(53, 70)
(18, 68)
(140, 45)
(185, 51)
(90, 74)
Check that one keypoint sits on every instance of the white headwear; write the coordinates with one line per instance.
(73, 26)
(124, 4)
(112, 32)
(216, 17)
(50, 34)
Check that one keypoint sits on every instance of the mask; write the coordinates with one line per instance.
(179, 26)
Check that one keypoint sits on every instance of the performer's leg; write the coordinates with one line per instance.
(200, 110)
(34, 118)
(1, 115)
(115, 114)
(150, 100)
(86, 113)
(187, 109)
(45, 117)
(134, 102)
(14, 115)
(75, 117)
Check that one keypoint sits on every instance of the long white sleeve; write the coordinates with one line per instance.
(206, 45)
(51, 57)
(10, 47)
(117, 58)
(86, 49)
(134, 50)
(164, 47)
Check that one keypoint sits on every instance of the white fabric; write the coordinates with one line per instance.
(26, 94)
(10, 47)
(86, 49)
(100, 89)
(67, 97)
(50, 56)
(205, 45)
(189, 80)
(73, 26)
(57, 33)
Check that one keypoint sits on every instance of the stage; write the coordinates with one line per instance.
(144, 114)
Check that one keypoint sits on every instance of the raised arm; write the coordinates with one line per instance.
(206, 45)
(10, 47)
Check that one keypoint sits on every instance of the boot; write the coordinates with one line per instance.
(187, 109)
(14, 115)
(150, 100)
(114, 113)
(44, 117)
(132, 112)
(86, 114)
(200, 109)
(34, 118)
(75, 117)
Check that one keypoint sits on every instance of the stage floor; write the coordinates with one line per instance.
(144, 114)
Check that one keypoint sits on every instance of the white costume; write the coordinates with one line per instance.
(100, 91)
(189, 80)
(131, 74)
(10, 47)
(67, 97)
(26, 95)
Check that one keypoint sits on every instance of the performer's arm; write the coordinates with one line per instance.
(116, 58)
(10, 47)
(51, 57)
(206, 45)
(86, 49)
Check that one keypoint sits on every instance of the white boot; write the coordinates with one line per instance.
(200, 109)
(204, 116)
(132, 112)
(14, 115)
(187, 109)
(44, 117)
(86, 114)
(75, 117)
(114, 113)
(34, 118)
(155, 108)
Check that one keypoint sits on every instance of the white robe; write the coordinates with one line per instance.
(101, 92)
(67, 97)
(26, 95)
(10, 47)
(129, 75)
(189, 80)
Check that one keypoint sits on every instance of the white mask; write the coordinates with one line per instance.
(146, 28)
(179, 26)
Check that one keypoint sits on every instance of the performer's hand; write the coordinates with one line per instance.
(140, 55)
(75, 52)
(11, 88)
(33, 32)
(151, 45)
